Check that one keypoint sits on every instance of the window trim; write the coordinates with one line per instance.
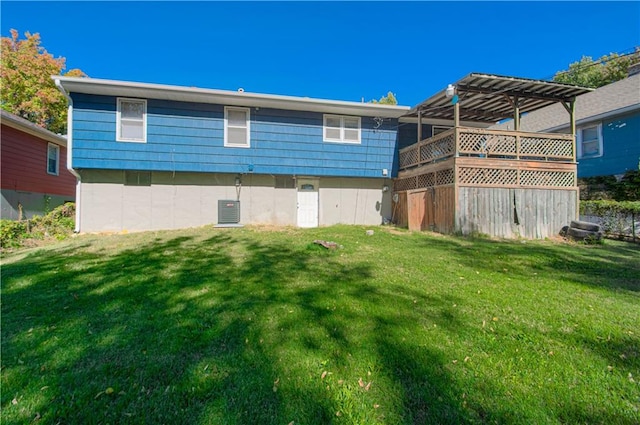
(57, 147)
(247, 112)
(579, 141)
(119, 137)
(342, 129)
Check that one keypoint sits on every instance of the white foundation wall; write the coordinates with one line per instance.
(354, 201)
(182, 200)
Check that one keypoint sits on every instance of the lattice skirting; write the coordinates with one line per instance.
(470, 176)
(437, 178)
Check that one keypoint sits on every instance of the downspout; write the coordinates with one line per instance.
(70, 152)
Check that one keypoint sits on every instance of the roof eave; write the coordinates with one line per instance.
(230, 98)
(28, 127)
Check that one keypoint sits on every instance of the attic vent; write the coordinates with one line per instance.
(228, 211)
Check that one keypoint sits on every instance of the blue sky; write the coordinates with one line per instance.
(334, 50)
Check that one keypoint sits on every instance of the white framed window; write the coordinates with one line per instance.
(341, 129)
(237, 127)
(131, 120)
(53, 159)
(590, 141)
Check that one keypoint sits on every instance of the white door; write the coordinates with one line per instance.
(307, 203)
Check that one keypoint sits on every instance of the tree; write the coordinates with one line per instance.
(27, 88)
(598, 73)
(389, 99)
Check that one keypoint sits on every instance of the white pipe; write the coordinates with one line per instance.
(70, 153)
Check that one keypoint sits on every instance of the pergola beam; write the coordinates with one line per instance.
(515, 93)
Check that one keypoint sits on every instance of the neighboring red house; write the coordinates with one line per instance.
(33, 169)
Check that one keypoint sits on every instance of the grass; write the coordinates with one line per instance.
(260, 326)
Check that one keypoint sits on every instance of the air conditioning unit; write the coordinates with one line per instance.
(228, 212)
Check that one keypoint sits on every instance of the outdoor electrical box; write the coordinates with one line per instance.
(228, 212)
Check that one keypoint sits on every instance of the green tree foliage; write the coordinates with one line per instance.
(389, 99)
(597, 73)
(27, 88)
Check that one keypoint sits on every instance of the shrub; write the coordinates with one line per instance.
(616, 218)
(58, 224)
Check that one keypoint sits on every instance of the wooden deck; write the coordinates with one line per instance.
(486, 144)
(502, 183)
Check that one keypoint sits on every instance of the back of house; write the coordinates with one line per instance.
(160, 157)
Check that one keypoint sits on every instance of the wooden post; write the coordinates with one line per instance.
(572, 125)
(571, 109)
(516, 114)
(419, 125)
(516, 124)
(456, 114)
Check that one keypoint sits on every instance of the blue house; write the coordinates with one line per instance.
(151, 156)
(607, 127)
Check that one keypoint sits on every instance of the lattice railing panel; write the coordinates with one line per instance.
(408, 183)
(442, 147)
(409, 157)
(444, 177)
(426, 180)
(501, 145)
(546, 178)
(546, 148)
(487, 176)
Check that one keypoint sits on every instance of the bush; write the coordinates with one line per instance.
(608, 187)
(616, 218)
(58, 225)
(12, 233)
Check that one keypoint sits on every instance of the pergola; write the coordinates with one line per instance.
(479, 180)
(485, 98)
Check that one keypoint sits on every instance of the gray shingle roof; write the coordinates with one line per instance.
(621, 96)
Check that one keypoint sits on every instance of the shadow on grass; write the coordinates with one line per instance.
(612, 267)
(221, 330)
(234, 330)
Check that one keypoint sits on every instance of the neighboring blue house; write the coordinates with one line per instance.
(158, 157)
(607, 127)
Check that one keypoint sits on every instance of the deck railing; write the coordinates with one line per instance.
(484, 143)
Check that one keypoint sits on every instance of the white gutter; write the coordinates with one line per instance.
(70, 152)
(225, 97)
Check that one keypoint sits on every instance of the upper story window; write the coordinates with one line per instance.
(343, 129)
(131, 120)
(236, 127)
(590, 141)
(53, 159)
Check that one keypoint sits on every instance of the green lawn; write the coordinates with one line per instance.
(259, 326)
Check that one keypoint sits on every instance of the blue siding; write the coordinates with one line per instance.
(185, 136)
(620, 147)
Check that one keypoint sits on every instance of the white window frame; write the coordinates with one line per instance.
(57, 148)
(119, 137)
(342, 138)
(580, 140)
(247, 111)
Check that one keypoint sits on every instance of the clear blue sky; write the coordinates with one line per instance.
(333, 50)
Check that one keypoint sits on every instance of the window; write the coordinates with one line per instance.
(137, 178)
(285, 182)
(590, 141)
(53, 159)
(132, 120)
(236, 127)
(341, 129)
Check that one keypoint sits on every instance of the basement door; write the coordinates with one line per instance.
(307, 202)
